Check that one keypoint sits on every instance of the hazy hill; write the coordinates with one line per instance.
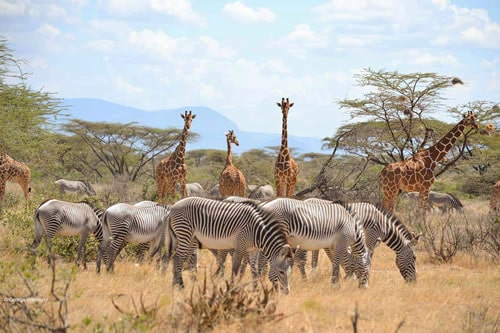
(209, 124)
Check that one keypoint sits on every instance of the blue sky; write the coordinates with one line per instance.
(241, 57)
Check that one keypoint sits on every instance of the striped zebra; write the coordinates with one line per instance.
(56, 217)
(123, 223)
(444, 202)
(207, 223)
(221, 255)
(382, 226)
(312, 227)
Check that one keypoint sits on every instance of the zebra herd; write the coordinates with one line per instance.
(275, 232)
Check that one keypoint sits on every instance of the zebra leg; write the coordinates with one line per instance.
(335, 259)
(180, 256)
(115, 248)
(82, 249)
(221, 256)
(238, 256)
(300, 258)
(141, 249)
(314, 259)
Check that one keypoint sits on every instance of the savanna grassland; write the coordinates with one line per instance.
(456, 294)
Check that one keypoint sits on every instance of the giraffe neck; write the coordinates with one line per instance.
(229, 159)
(181, 147)
(284, 133)
(439, 150)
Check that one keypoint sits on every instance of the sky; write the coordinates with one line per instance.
(241, 57)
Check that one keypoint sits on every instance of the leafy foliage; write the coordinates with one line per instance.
(26, 114)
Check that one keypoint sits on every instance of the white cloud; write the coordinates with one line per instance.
(474, 26)
(350, 41)
(431, 59)
(304, 36)
(440, 4)
(336, 10)
(9, 8)
(49, 30)
(126, 86)
(47, 10)
(156, 42)
(214, 48)
(239, 11)
(277, 66)
(179, 8)
(208, 91)
(125, 7)
(101, 45)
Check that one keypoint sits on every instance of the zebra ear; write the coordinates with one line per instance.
(286, 250)
(415, 238)
(377, 243)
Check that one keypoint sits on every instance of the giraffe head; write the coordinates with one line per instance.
(231, 137)
(470, 120)
(188, 117)
(285, 105)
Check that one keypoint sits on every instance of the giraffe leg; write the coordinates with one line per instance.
(160, 189)
(390, 197)
(290, 188)
(279, 189)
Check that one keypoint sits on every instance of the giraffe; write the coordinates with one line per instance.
(416, 174)
(232, 181)
(172, 169)
(14, 171)
(285, 169)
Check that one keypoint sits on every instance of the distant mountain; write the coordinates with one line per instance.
(209, 124)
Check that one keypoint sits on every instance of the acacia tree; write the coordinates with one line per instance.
(26, 114)
(394, 119)
(121, 149)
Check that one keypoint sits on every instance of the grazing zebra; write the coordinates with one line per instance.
(66, 219)
(74, 186)
(312, 227)
(222, 225)
(382, 226)
(221, 255)
(445, 202)
(123, 223)
(263, 192)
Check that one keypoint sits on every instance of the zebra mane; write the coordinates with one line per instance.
(397, 222)
(40, 205)
(456, 200)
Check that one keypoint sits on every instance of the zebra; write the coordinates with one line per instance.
(312, 227)
(123, 223)
(192, 189)
(445, 202)
(263, 192)
(219, 225)
(221, 255)
(74, 186)
(381, 226)
(56, 217)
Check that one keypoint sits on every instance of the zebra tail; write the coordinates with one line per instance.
(39, 230)
(170, 240)
(106, 233)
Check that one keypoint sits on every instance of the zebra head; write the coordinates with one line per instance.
(281, 268)
(406, 262)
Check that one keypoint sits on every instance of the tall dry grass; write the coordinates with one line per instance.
(460, 296)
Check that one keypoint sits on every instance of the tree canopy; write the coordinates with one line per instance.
(27, 115)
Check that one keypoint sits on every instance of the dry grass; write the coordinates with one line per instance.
(463, 296)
